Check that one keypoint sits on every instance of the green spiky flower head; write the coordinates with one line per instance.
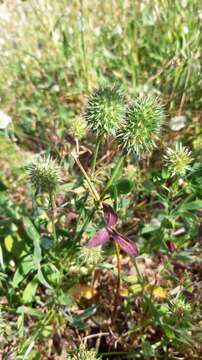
(44, 174)
(178, 160)
(140, 132)
(105, 110)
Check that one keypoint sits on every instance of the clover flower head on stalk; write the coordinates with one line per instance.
(105, 110)
(84, 354)
(90, 256)
(178, 160)
(108, 233)
(143, 121)
(180, 307)
(44, 174)
(78, 128)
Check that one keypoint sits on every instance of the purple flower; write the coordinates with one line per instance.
(105, 234)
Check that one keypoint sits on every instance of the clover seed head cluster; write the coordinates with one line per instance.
(84, 354)
(137, 126)
(143, 121)
(105, 110)
(178, 160)
(44, 174)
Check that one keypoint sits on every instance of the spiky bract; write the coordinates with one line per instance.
(44, 174)
(144, 118)
(105, 110)
(178, 160)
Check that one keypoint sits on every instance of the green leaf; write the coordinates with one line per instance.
(29, 311)
(3, 187)
(135, 289)
(64, 299)
(1, 258)
(154, 225)
(78, 320)
(87, 313)
(147, 349)
(30, 229)
(65, 44)
(33, 234)
(30, 291)
(124, 186)
(20, 324)
(115, 174)
(193, 205)
(24, 268)
(3, 198)
(169, 332)
(8, 242)
(42, 279)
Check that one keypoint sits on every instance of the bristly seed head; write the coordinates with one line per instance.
(105, 110)
(178, 160)
(44, 174)
(141, 129)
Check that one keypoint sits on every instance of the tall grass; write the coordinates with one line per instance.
(54, 48)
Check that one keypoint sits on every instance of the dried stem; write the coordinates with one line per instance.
(90, 184)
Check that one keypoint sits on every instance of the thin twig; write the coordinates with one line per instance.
(96, 335)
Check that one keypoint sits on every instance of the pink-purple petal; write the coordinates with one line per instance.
(110, 216)
(71, 139)
(100, 238)
(125, 244)
(171, 246)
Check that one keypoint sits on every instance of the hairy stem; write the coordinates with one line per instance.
(98, 143)
(52, 203)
